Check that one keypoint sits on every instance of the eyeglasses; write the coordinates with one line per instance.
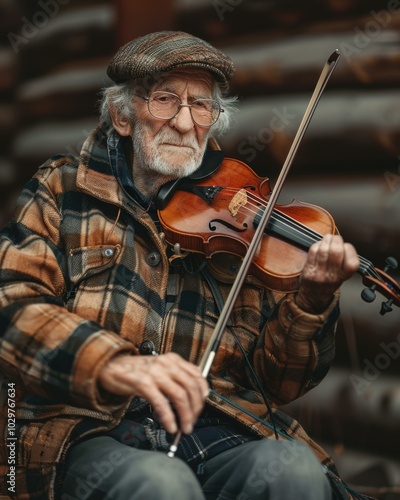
(166, 105)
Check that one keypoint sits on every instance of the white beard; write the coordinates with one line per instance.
(158, 161)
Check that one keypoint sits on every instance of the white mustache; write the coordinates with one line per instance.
(166, 137)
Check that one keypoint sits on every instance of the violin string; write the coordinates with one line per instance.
(306, 235)
(294, 225)
(291, 226)
(284, 220)
(366, 266)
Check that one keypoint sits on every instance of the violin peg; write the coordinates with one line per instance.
(391, 263)
(368, 294)
(386, 307)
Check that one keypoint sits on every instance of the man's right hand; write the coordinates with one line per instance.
(166, 381)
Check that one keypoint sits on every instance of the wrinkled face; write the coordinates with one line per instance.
(173, 148)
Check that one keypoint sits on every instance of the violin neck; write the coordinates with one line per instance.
(296, 233)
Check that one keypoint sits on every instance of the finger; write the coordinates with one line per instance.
(176, 360)
(317, 263)
(159, 390)
(186, 394)
(343, 260)
(351, 261)
(191, 376)
(335, 259)
(162, 407)
(181, 404)
(189, 403)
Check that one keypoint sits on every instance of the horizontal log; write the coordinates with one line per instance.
(7, 171)
(30, 8)
(366, 209)
(349, 409)
(230, 18)
(68, 93)
(9, 188)
(73, 35)
(351, 131)
(295, 61)
(10, 16)
(8, 125)
(363, 333)
(368, 473)
(9, 73)
(36, 144)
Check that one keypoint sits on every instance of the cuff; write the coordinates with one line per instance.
(93, 355)
(301, 325)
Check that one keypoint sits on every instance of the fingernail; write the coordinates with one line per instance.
(188, 429)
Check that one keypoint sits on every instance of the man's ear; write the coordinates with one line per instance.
(121, 124)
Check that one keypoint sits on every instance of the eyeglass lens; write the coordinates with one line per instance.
(166, 105)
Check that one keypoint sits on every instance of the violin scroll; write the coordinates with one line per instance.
(384, 283)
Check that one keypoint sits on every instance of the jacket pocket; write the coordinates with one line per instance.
(87, 261)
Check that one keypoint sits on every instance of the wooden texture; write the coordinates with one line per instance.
(139, 18)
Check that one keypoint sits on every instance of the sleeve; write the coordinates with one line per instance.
(296, 349)
(51, 351)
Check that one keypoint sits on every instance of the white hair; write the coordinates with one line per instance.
(119, 97)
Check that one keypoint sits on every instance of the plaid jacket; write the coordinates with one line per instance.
(83, 277)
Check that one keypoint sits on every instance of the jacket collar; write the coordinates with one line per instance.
(104, 173)
(95, 175)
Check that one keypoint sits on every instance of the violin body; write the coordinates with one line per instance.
(217, 217)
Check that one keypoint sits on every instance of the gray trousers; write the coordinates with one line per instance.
(101, 468)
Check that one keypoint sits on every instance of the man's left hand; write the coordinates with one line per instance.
(330, 262)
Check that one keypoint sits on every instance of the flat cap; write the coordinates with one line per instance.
(164, 51)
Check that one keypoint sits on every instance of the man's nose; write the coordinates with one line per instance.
(183, 120)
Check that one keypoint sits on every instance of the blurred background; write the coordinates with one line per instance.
(53, 55)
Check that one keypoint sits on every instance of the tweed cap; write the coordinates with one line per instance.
(164, 51)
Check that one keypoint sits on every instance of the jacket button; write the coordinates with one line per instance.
(108, 252)
(153, 259)
(147, 347)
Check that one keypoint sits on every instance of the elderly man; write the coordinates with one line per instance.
(103, 328)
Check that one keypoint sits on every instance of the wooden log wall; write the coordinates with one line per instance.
(348, 162)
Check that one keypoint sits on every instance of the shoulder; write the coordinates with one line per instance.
(60, 161)
(58, 170)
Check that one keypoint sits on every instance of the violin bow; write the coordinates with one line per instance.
(212, 346)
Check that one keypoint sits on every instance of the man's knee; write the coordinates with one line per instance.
(104, 468)
(280, 458)
(279, 469)
(159, 477)
(287, 466)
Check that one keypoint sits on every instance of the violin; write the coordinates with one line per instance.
(218, 215)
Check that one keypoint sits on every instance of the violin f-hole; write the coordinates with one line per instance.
(212, 227)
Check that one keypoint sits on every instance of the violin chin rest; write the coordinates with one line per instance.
(212, 159)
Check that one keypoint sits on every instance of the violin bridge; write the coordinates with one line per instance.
(237, 202)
